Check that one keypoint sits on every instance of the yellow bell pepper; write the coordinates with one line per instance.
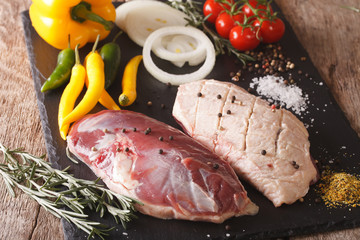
(55, 20)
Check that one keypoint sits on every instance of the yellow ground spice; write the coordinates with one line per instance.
(339, 189)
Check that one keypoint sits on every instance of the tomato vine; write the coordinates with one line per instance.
(234, 26)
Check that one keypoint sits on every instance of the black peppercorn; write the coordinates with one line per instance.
(161, 138)
(263, 152)
(199, 94)
(147, 131)
(161, 151)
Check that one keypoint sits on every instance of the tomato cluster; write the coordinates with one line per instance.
(244, 25)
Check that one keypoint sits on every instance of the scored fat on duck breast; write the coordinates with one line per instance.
(169, 172)
(267, 147)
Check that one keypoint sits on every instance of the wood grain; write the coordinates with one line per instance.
(331, 36)
(21, 218)
(329, 33)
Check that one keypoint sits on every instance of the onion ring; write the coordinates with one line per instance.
(175, 79)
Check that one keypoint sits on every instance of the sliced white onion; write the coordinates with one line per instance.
(190, 44)
(175, 79)
(142, 20)
(125, 8)
(179, 49)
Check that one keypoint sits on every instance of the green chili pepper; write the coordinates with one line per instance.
(111, 55)
(62, 72)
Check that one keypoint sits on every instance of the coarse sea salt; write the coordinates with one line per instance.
(275, 89)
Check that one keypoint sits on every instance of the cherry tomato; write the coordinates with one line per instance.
(225, 22)
(214, 8)
(248, 12)
(272, 31)
(256, 23)
(243, 39)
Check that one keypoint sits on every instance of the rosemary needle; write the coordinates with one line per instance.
(62, 194)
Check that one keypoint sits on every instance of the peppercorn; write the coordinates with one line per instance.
(235, 78)
(123, 130)
(228, 112)
(161, 138)
(215, 166)
(219, 115)
(218, 96)
(199, 94)
(147, 131)
(134, 129)
(263, 152)
(171, 137)
(161, 151)
(127, 149)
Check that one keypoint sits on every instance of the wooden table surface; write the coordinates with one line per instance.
(329, 33)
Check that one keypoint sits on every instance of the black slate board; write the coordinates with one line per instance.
(332, 139)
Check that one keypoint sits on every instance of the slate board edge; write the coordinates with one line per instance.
(49, 141)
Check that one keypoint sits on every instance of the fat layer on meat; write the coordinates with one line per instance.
(269, 148)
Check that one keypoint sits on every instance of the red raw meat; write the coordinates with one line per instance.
(172, 174)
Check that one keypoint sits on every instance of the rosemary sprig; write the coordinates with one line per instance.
(62, 194)
(196, 19)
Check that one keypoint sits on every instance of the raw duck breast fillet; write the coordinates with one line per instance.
(269, 149)
(169, 172)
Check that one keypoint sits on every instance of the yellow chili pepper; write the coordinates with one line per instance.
(70, 94)
(105, 98)
(96, 77)
(129, 81)
(107, 101)
(54, 20)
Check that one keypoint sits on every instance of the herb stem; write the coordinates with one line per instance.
(62, 194)
(196, 19)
